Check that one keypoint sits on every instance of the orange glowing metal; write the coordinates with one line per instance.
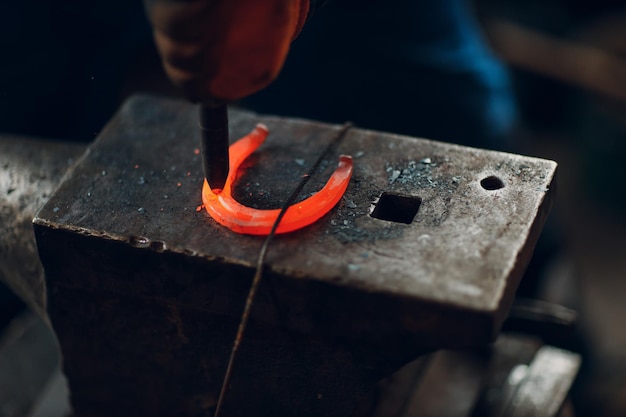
(224, 209)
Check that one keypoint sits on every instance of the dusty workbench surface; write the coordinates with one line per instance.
(126, 222)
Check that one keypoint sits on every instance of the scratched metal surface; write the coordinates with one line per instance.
(141, 182)
(153, 289)
(30, 170)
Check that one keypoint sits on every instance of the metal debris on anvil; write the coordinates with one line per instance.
(167, 284)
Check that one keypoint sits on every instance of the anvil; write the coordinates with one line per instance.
(425, 251)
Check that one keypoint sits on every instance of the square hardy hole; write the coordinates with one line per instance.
(396, 208)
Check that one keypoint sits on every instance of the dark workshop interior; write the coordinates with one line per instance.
(566, 63)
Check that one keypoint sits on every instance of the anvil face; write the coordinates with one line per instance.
(424, 251)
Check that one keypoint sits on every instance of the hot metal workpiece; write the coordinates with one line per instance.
(145, 292)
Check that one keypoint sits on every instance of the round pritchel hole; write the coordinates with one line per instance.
(491, 183)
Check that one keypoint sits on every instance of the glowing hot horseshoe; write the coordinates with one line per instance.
(227, 211)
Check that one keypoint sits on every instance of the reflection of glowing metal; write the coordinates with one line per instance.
(246, 220)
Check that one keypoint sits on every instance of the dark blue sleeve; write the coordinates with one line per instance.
(414, 67)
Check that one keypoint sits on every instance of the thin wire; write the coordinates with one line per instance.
(256, 280)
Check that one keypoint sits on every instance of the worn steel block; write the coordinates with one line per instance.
(30, 171)
(145, 292)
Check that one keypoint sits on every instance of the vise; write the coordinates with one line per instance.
(145, 291)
